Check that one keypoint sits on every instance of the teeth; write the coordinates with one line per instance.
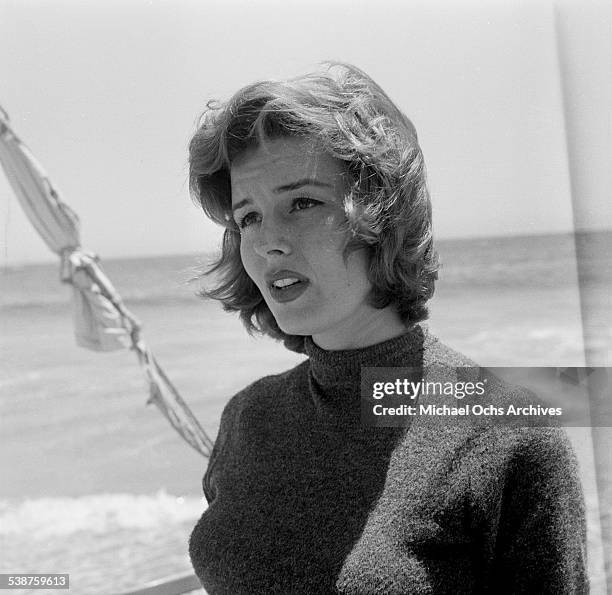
(280, 283)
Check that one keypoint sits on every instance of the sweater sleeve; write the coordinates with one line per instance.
(540, 541)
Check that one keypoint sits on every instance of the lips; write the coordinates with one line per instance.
(285, 285)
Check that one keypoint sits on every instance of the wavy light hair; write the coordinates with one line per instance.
(387, 203)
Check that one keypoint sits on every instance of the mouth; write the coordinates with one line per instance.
(286, 286)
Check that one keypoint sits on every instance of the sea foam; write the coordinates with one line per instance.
(99, 514)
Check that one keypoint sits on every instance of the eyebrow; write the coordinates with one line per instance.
(285, 188)
(299, 183)
(242, 203)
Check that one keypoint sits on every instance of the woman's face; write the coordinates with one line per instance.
(287, 199)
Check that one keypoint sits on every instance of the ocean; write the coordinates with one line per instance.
(96, 484)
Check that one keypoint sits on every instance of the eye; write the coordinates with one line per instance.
(303, 202)
(247, 220)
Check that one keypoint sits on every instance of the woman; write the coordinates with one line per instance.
(320, 184)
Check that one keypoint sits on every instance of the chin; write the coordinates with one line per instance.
(295, 329)
(291, 325)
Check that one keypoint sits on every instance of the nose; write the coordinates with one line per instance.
(273, 240)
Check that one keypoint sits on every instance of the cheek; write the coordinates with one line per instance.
(329, 240)
(247, 256)
(344, 279)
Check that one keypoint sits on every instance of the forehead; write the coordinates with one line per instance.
(282, 161)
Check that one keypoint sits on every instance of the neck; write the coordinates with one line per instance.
(374, 326)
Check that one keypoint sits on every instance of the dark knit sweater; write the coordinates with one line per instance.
(304, 499)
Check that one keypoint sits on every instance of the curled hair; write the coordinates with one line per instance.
(387, 204)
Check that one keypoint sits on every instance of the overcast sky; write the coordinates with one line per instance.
(107, 93)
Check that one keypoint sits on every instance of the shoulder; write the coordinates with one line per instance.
(489, 442)
(264, 394)
(247, 415)
(441, 362)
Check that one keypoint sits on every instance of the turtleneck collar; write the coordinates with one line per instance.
(335, 380)
(330, 368)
